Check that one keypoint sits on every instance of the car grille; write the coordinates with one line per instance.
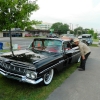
(13, 67)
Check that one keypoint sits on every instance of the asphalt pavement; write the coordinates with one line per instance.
(22, 42)
(81, 85)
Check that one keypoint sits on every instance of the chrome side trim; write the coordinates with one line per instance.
(51, 66)
(22, 78)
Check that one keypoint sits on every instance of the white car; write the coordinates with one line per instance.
(98, 36)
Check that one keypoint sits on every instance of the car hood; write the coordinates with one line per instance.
(24, 56)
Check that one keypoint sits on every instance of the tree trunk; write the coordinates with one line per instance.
(11, 47)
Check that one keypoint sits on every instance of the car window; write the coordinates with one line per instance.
(37, 43)
(47, 45)
(67, 45)
(53, 45)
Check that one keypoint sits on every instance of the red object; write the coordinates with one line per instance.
(28, 35)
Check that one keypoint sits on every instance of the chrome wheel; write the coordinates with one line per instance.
(48, 77)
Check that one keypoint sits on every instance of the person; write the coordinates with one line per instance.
(85, 52)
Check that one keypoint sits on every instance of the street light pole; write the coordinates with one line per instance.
(70, 25)
(77, 29)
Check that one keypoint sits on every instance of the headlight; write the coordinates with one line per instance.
(27, 74)
(88, 41)
(31, 74)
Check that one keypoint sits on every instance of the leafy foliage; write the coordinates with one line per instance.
(95, 36)
(60, 28)
(78, 31)
(16, 13)
(91, 31)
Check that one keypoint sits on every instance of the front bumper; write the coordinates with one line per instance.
(19, 77)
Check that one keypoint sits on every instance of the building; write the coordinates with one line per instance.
(41, 29)
(43, 26)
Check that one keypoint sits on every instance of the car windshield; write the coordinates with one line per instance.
(48, 45)
(86, 36)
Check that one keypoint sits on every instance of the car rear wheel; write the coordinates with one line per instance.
(48, 77)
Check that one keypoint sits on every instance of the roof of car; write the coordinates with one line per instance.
(86, 34)
(62, 39)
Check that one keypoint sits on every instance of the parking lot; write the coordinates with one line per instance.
(23, 42)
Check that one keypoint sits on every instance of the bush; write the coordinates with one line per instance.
(95, 36)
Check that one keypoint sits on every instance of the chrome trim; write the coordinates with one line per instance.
(51, 66)
(22, 78)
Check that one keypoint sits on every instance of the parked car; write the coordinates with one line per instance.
(36, 35)
(40, 61)
(52, 36)
(98, 37)
(28, 35)
(86, 38)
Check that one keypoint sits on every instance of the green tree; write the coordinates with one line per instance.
(60, 28)
(29, 28)
(16, 14)
(78, 31)
(72, 32)
(95, 36)
(91, 31)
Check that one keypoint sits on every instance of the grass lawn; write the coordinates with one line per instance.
(14, 90)
(96, 40)
(94, 45)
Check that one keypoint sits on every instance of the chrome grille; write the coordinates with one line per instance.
(12, 67)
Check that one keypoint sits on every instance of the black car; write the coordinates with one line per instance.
(38, 63)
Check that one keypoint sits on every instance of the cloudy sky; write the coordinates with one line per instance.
(84, 13)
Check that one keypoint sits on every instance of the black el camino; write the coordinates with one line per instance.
(38, 63)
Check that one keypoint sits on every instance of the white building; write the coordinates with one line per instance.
(43, 26)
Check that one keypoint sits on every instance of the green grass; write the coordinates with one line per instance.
(14, 90)
(96, 40)
(4, 50)
(94, 45)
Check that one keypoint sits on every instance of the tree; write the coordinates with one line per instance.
(91, 31)
(60, 28)
(78, 31)
(15, 14)
(72, 32)
(95, 36)
(29, 28)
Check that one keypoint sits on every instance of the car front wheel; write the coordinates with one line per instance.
(48, 76)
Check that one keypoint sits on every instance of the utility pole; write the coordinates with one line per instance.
(70, 25)
(77, 25)
(77, 29)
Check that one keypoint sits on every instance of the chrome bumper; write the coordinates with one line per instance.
(19, 77)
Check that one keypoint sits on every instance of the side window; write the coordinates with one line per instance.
(72, 44)
(37, 43)
(67, 45)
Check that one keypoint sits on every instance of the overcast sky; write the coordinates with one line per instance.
(84, 13)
